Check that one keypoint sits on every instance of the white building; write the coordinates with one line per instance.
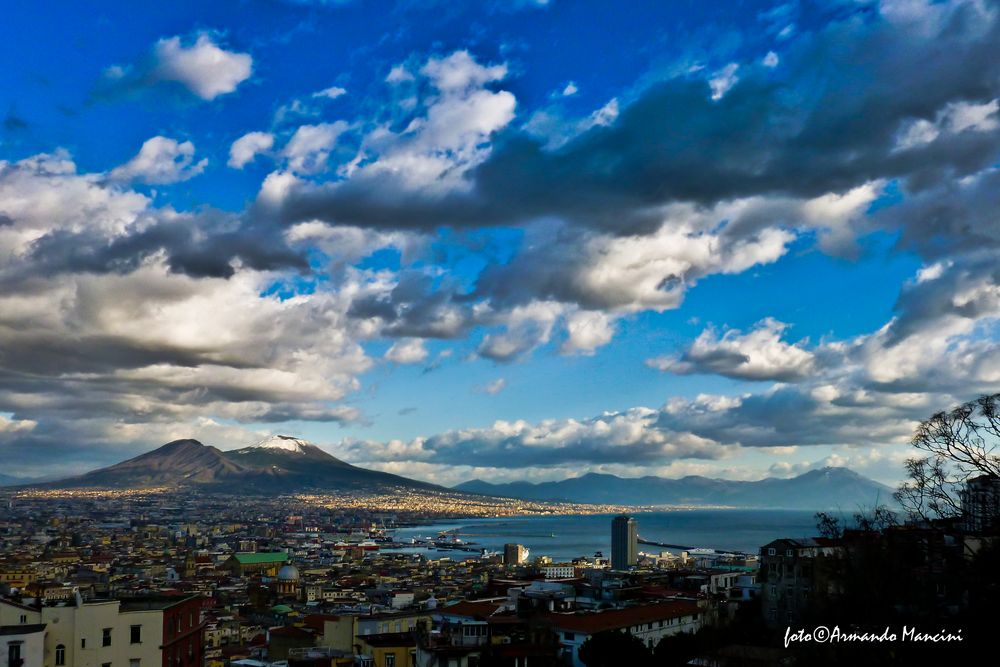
(114, 633)
(650, 623)
(22, 645)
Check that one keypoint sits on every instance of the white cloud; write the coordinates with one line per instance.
(759, 354)
(276, 187)
(771, 59)
(331, 93)
(205, 69)
(954, 118)
(309, 148)
(10, 426)
(161, 161)
(526, 327)
(460, 71)
(399, 74)
(435, 150)
(611, 438)
(587, 330)
(932, 271)
(148, 346)
(723, 80)
(570, 89)
(410, 351)
(604, 116)
(967, 116)
(247, 147)
(494, 387)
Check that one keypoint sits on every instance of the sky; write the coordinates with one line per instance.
(504, 240)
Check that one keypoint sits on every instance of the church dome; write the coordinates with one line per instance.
(288, 573)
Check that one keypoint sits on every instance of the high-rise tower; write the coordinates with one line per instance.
(624, 542)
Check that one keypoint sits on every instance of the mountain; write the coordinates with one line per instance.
(817, 489)
(11, 480)
(279, 464)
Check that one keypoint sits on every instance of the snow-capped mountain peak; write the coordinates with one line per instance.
(283, 442)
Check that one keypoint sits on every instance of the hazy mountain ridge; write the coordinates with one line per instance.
(816, 489)
(12, 480)
(279, 468)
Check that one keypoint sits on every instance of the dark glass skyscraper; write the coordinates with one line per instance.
(624, 542)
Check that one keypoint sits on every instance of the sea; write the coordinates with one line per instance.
(564, 537)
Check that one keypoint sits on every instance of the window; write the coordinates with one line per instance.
(14, 654)
(135, 634)
(788, 552)
(177, 624)
(569, 636)
(24, 619)
(106, 637)
(83, 642)
(60, 655)
(105, 664)
(134, 662)
(771, 551)
(390, 660)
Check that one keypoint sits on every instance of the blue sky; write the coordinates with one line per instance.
(498, 239)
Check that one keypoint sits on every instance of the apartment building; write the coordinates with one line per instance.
(139, 632)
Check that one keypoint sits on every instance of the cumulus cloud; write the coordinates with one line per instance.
(955, 118)
(586, 331)
(672, 142)
(247, 147)
(619, 211)
(409, 351)
(161, 161)
(759, 354)
(10, 427)
(117, 316)
(200, 66)
(609, 438)
(309, 148)
(203, 67)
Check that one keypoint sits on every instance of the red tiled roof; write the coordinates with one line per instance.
(471, 608)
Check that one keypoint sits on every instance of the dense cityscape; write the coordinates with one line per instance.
(93, 578)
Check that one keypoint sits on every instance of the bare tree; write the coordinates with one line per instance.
(959, 444)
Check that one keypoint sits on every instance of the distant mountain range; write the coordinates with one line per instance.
(283, 464)
(817, 489)
(279, 464)
(10, 480)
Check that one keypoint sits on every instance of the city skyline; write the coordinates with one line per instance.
(522, 240)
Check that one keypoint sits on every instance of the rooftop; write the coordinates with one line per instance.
(612, 619)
